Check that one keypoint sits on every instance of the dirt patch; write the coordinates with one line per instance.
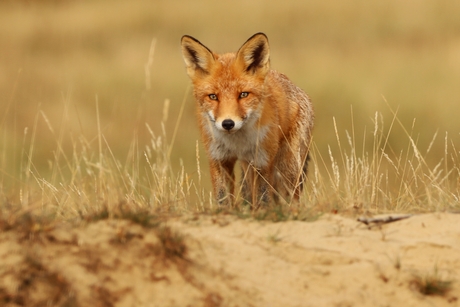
(226, 261)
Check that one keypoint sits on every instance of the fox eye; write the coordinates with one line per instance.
(244, 94)
(212, 96)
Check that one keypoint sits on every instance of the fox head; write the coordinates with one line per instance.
(229, 88)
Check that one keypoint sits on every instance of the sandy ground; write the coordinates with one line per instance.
(225, 261)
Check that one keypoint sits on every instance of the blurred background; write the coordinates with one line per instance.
(65, 65)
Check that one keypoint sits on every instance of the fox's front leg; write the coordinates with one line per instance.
(257, 184)
(223, 180)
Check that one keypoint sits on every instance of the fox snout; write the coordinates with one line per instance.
(227, 122)
(229, 125)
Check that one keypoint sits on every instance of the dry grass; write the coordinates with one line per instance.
(431, 283)
(85, 125)
(384, 180)
(91, 184)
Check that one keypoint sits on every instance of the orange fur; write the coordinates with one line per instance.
(253, 114)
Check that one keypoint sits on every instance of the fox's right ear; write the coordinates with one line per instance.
(198, 58)
(254, 55)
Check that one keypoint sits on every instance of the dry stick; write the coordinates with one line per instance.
(179, 117)
(59, 141)
(323, 162)
(382, 150)
(6, 111)
(198, 169)
(99, 136)
(29, 159)
(383, 220)
(414, 146)
(353, 169)
(120, 172)
(421, 160)
(149, 64)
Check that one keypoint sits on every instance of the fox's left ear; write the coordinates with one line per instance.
(254, 55)
(198, 58)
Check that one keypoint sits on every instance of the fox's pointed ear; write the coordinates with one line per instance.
(254, 55)
(198, 58)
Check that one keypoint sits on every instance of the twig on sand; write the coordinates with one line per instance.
(383, 220)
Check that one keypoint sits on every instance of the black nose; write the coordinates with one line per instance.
(228, 124)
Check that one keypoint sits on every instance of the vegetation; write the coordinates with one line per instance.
(431, 284)
(97, 111)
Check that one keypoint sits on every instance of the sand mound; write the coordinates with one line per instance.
(225, 261)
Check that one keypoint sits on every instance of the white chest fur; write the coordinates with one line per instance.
(244, 144)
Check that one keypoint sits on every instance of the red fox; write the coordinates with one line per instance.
(253, 114)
